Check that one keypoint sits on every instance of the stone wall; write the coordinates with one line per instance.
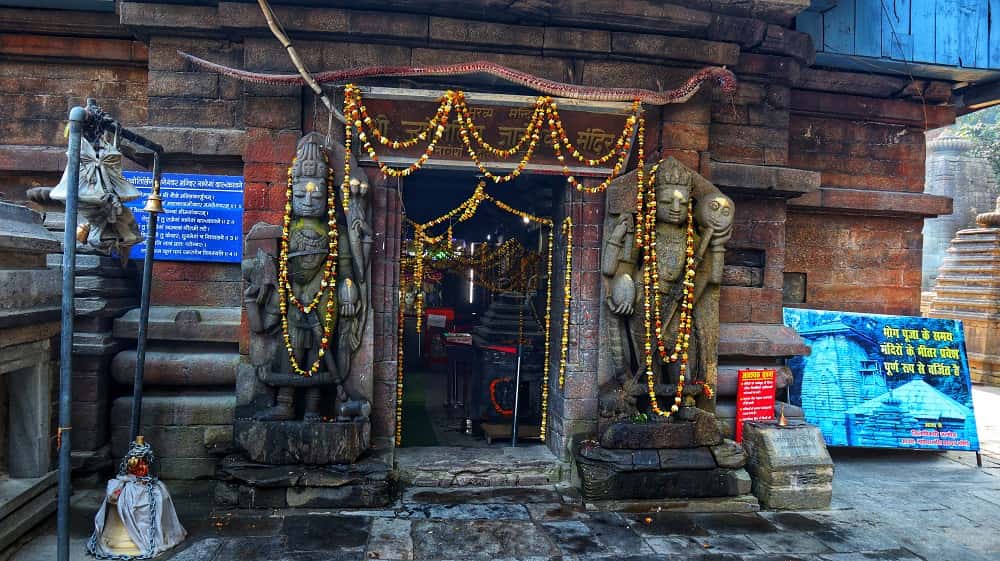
(50, 62)
(848, 146)
(855, 243)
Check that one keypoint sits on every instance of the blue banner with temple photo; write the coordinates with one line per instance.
(884, 381)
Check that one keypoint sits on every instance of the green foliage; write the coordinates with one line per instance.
(640, 418)
(983, 128)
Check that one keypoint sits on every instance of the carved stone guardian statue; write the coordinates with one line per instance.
(660, 323)
(307, 306)
(676, 189)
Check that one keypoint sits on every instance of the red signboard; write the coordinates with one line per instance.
(754, 397)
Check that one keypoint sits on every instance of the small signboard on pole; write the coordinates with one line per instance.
(754, 397)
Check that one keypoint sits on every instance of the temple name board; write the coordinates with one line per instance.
(592, 126)
(202, 218)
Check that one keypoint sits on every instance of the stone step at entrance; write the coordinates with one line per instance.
(496, 466)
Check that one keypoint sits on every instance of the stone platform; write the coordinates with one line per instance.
(249, 485)
(297, 442)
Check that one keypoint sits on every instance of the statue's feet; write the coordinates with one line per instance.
(279, 412)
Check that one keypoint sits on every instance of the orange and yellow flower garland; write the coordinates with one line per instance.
(327, 284)
(545, 112)
(567, 229)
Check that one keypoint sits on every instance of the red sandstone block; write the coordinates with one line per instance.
(264, 172)
(734, 304)
(196, 293)
(587, 259)
(206, 272)
(277, 197)
(685, 136)
(273, 112)
(689, 158)
(255, 195)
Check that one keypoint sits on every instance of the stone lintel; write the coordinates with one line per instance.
(414, 22)
(854, 83)
(856, 107)
(871, 202)
(759, 180)
(759, 340)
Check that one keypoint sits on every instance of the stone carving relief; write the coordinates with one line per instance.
(623, 269)
(301, 405)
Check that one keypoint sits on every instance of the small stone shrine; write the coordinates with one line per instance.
(304, 399)
(966, 289)
(662, 264)
(790, 465)
(29, 357)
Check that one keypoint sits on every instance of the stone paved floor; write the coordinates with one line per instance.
(888, 505)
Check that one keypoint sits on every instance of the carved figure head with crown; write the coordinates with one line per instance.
(309, 177)
(673, 192)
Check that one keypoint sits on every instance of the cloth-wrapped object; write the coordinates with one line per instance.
(143, 505)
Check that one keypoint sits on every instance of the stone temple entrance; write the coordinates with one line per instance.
(483, 290)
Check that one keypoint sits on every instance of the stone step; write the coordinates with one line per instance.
(172, 367)
(445, 466)
(94, 265)
(104, 287)
(29, 288)
(182, 410)
(96, 344)
(194, 441)
(24, 506)
(105, 307)
(180, 323)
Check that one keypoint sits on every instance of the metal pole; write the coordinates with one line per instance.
(154, 207)
(517, 382)
(64, 434)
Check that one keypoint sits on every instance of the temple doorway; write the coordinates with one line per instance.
(484, 290)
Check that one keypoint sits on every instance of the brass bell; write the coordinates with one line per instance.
(154, 203)
(115, 536)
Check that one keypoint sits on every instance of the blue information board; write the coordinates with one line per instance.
(884, 381)
(202, 218)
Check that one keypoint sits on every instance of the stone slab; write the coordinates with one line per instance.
(190, 324)
(27, 517)
(23, 289)
(294, 442)
(104, 287)
(88, 264)
(760, 340)
(168, 367)
(440, 466)
(791, 467)
(771, 181)
(104, 307)
(250, 485)
(204, 409)
(737, 504)
(21, 230)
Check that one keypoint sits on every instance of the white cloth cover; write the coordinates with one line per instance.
(95, 188)
(146, 511)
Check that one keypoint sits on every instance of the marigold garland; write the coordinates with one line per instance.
(548, 337)
(545, 112)
(567, 229)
